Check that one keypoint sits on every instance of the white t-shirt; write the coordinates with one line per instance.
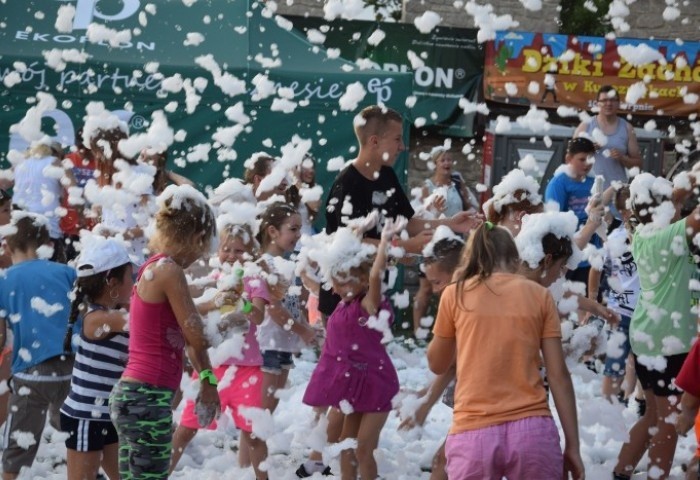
(272, 336)
(622, 273)
(37, 191)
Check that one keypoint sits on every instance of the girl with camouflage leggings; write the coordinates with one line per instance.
(163, 320)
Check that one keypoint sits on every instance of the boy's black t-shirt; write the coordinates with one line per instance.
(363, 196)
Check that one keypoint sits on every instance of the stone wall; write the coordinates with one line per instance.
(645, 19)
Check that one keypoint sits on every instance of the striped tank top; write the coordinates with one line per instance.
(98, 367)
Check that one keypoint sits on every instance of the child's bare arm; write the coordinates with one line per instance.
(689, 410)
(373, 298)
(100, 323)
(563, 393)
(441, 354)
(430, 398)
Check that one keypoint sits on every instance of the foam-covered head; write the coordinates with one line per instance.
(515, 191)
(549, 233)
(336, 255)
(650, 200)
(184, 220)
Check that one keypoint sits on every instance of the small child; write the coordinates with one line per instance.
(103, 287)
(623, 293)
(284, 328)
(163, 320)
(495, 323)
(354, 374)
(440, 261)
(243, 370)
(35, 304)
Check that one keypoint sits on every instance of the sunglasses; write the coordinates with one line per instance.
(4, 194)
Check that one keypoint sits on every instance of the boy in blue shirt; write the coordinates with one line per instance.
(35, 304)
(571, 189)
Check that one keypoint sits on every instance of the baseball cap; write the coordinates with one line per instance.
(101, 256)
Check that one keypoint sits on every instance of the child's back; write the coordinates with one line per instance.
(34, 295)
(506, 313)
(34, 299)
(664, 312)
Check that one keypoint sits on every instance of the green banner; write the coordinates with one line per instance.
(192, 60)
(447, 63)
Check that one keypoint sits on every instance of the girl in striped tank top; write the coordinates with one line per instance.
(102, 289)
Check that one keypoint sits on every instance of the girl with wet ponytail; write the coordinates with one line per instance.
(102, 288)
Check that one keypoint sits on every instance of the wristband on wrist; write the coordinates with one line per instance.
(209, 376)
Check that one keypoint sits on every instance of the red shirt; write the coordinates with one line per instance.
(83, 170)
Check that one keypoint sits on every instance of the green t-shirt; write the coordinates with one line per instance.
(664, 322)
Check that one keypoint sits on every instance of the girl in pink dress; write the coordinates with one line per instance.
(355, 374)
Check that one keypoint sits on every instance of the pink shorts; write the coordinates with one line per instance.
(521, 449)
(244, 390)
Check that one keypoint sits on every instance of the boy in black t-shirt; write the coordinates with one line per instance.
(369, 183)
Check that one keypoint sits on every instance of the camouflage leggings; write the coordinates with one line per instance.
(142, 415)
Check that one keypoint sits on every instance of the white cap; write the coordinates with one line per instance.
(101, 256)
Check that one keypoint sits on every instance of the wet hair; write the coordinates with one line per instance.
(85, 291)
(580, 145)
(446, 254)
(622, 195)
(644, 212)
(376, 118)
(489, 248)
(558, 248)
(606, 89)
(30, 234)
(105, 164)
(188, 226)
(259, 167)
(521, 203)
(274, 216)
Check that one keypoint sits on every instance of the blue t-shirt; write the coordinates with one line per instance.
(35, 303)
(573, 195)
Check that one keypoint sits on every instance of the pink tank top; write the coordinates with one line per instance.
(156, 343)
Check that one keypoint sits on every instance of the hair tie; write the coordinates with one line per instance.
(489, 225)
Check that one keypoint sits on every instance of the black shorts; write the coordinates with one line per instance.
(661, 383)
(88, 435)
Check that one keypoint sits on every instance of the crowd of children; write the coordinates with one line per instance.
(175, 302)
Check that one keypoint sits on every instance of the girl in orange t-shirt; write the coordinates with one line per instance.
(495, 323)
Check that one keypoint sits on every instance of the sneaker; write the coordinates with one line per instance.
(303, 473)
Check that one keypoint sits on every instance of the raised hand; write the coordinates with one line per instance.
(393, 227)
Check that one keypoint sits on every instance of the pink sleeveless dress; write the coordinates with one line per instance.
(354, 365)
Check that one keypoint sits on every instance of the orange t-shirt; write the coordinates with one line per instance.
(498, 326)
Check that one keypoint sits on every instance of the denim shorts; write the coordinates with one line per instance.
(274, 362)
(618, 349)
